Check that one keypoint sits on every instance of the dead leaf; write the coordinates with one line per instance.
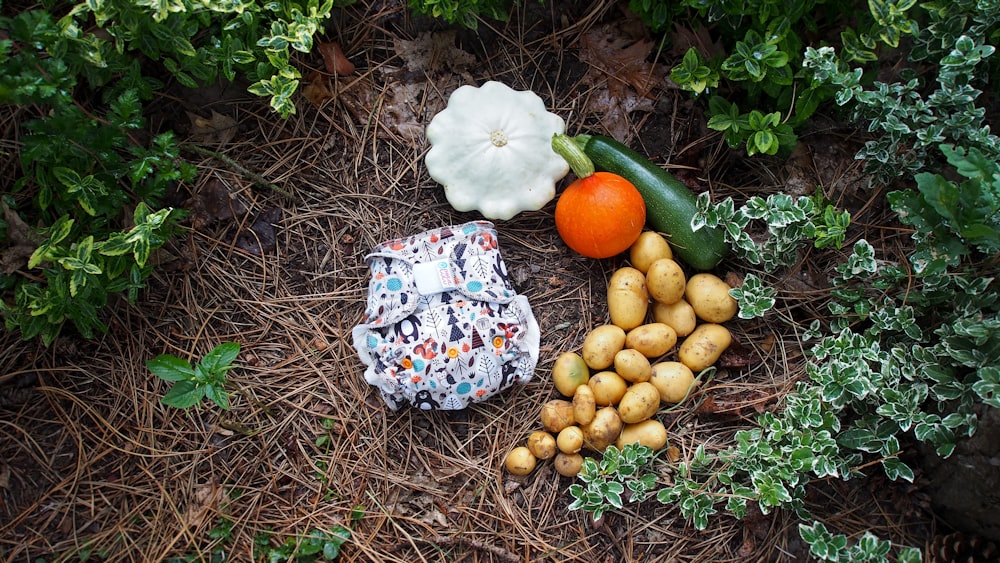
(261, 238)
(623, 78)
(217, 130)
(199, 508)
(317, 89)
(434, 516)
(214, 203)
(334, 59)
(432, 53)
(612, 105)
(402, 110)
(22, 242)
(683, 38)
(621, 59)
(736, 356)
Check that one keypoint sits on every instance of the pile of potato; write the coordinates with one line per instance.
(614, 387)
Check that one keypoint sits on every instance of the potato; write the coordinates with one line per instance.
(556, 415)
(603, 430)
(709, 295)
(703, 347)
(570, 440)
(632, 366)
(678, 316)
(628, 300)
(672, 380)
(648, 248)
(584, 405)
(601, 345)
(640, 402)
(542, 444)
(520, 461)
(649, 433)
(651, 340)
(665, 281)
(608, 388)
(568, 465)
(569, 372)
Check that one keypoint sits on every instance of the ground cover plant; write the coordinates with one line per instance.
(867, 297)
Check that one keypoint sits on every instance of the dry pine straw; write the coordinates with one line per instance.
(89, 457)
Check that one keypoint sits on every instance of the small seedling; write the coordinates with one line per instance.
(194, 383)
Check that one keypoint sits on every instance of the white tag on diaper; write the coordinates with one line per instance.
(433, 277)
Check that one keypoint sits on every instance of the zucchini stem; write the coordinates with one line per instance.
(578, 160)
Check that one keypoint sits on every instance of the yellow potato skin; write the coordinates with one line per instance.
(648, 248)
(640, 402)
(603, 430)
(601, 345)
(569, 372)
(650, 433)
(541, 444)
(584, 406)
(570, 440)
(679, 316)
(672, 380)
(632, 365)
(703, 347)
(568, 465)
(651, 340)
(665, 281)
(556, 415)
(608, 388)
(709, 296)
(520, 461)
(628, 300)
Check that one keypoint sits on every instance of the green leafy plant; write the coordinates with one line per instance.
(754, 298)
(198, 42)
(316, 545)
(762, 134)
(81, 168)
(760, 61)
(693, 74)
(911, 119)
(826, 546)
(953, 219)
(605, 482)
(791, 223)
(191, 384)
(462, 12)
(891, 19)
(221, 536)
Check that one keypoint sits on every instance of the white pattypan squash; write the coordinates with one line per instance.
(491, 148)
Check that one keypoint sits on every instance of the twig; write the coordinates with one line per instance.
(457, 540)
(257, 179)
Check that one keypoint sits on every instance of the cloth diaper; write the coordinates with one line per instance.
(443, 327)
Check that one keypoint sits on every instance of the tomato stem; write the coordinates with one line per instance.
(578, 160)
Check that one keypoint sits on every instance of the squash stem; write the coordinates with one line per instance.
(578, 160)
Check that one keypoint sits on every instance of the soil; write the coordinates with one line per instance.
(91, 463)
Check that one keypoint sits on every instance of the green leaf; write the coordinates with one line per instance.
(116, 245)
(142, 250)
(170, 368)
(218, 395)
(221, 356)
(183, 394)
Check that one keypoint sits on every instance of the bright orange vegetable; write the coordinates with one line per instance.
(600, 214)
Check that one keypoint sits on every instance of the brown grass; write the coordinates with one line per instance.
(90, 459)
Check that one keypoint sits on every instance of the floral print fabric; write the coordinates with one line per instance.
(443, 327)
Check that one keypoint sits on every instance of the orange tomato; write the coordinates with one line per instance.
(601, 215)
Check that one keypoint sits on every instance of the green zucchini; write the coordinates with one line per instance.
(670, 205)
